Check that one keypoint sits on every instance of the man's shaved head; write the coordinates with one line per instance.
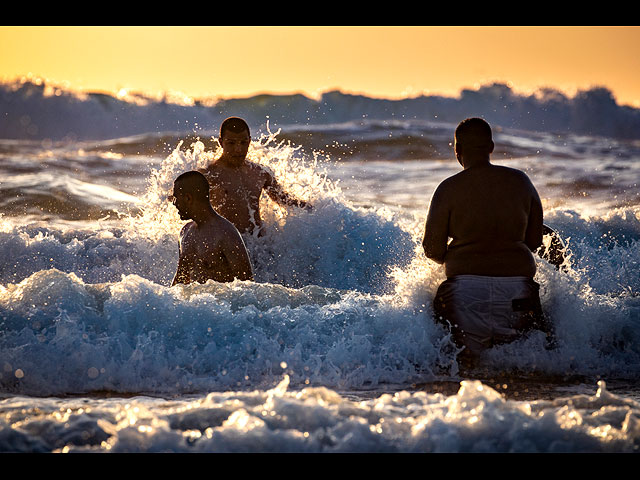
(193, 183)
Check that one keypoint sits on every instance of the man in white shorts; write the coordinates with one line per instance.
(493, 216)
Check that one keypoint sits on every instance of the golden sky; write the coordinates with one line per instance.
(390, 62)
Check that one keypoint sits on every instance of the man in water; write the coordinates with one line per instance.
(493, 216)
(210, 246)
(236, 184)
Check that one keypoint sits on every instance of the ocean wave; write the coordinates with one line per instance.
(133, 336)
(43, 194)
(32, 113)
(84, 311)
(342, 296)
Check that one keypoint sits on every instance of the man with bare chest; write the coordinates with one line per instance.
(236, 184)
(210, 246)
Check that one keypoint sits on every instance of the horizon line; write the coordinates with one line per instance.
(185, 99)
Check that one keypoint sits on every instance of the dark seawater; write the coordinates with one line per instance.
(332, 348)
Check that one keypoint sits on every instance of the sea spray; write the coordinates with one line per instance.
(324, 302)
(334, 245)
(594, 302)
(138, 336)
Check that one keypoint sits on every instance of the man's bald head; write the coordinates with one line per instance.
(193, 183)
(474, 133)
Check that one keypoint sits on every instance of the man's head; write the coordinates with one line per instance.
(190, 194)
(235, 125)
(235, 139)
(473, 139)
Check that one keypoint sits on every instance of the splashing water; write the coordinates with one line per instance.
(341, 302)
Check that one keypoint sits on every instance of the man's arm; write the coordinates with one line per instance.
(436, 228)
(533, 235)
(182, 272)
(277, 193)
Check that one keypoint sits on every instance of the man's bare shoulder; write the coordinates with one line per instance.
(510, 171)
(211, 168)
(210, 172)
(450, 183)
(248, 167)
(186, 228)
(259, 169)
(225, 228)
(492, 172)
(516, 177)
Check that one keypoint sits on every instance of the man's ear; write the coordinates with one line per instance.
(492, 147)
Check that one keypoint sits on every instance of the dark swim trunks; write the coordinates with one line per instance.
(486, 311)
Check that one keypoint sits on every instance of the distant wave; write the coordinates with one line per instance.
(32, 110)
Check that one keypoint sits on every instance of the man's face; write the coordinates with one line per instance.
(180, 200)
(235, 145)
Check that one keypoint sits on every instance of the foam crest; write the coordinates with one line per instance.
(134, 335)
(476, 419)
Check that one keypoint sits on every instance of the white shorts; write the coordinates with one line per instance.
(485, 311)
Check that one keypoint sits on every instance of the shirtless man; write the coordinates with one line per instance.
(493, 216)
(236, 184)
(210, 246)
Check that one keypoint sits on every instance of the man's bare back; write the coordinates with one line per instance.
(493, 214)
(213, 251)
(494, 217)
(210, 246)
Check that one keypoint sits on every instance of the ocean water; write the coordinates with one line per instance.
(332, 348)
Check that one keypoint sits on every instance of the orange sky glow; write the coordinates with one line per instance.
(388, 62)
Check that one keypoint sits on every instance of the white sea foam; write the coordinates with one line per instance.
(317, 420)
